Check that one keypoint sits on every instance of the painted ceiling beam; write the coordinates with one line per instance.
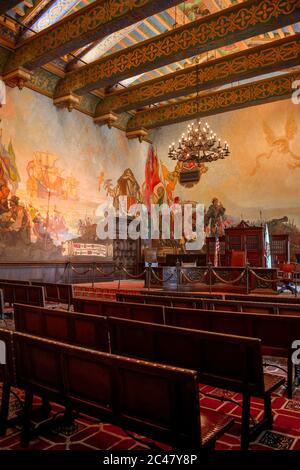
(246, 64)
(251, 94)
(93, 22)
(244, 20)
(6, 5)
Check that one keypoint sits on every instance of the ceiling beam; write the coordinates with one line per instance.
(260, 60)
(251, 94)
(6, 5)
(228, 26)
(93, 22)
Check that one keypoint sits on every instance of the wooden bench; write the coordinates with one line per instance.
(7, 375)
(209, 353)
(1, 303)
(156, 401)
(159, 300)
(14, 281)
(224, 296)
(225, 361)
(246, 305)
(22, 293)
(277, 332)
(75, 328)
(60, 293)
(131, 311)
(250, 306)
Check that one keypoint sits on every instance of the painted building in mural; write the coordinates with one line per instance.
(54, 173)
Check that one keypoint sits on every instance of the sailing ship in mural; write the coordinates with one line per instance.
(44, 177)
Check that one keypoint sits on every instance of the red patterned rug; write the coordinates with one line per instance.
(87, 433)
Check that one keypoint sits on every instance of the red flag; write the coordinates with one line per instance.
(152, 178)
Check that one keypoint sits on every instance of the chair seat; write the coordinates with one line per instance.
(272, 382)
(213, 425)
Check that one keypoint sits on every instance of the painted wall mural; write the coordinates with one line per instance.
(55, 169)
(260, 180)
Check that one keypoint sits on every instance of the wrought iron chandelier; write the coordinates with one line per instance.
(199, 145)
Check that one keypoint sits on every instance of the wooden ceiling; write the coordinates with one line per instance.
(152, 56)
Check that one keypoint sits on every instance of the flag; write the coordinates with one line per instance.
(267, 248)
(217, 251)
(152, 178)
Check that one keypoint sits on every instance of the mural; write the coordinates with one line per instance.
(56, 168)
(259, 181)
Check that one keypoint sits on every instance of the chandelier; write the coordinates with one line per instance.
(199, 145)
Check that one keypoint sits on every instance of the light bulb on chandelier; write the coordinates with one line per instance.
(200, 145)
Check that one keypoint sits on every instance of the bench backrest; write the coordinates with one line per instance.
(7, 370)
(79, 329)
(277, 332)
(62, 293)
(245, 305)
(131, 311)
(224, 361)
(14, 281)
(160, 300)
(250, 306)
(21, 293)
(154, 400)
(277, 299)
(1, 302)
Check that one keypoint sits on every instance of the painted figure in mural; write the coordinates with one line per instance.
(8, 165)
(214, 219)
(100, 180)
(280, 145)
(19, 225)
(127, 185)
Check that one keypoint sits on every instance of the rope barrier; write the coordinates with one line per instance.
(231, 281)
(193, 281)
(101, 271)
(134, 276)
(272, 281)
(81, 273)
(162, 279)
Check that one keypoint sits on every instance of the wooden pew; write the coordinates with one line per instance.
(7, 375)
(60, 293)
(250, 306)
(194, 350)
(79, 329)
(15, 281)
(264, 298)
(22, 293)
(159, 300)
(224, 296)
(1, 303)
(277, 332)
(157, 401)
(246, 305)
(225, 361)
(131, 311)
